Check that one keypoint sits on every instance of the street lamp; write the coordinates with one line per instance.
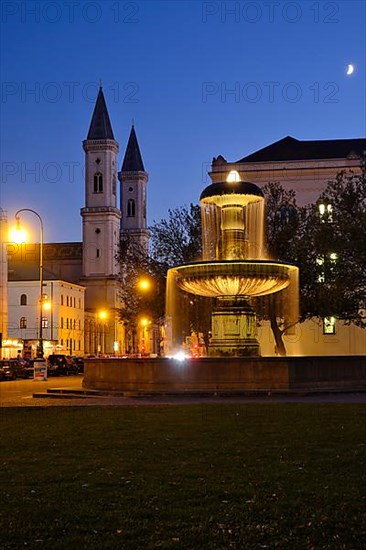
(102, 316)
(18, 229)
(144, 284)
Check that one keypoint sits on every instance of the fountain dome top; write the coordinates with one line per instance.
(245, 191)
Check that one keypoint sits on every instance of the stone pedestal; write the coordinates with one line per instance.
(234, 329)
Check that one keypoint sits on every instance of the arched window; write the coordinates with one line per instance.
(23, 322)
(98, 182)
(131, 208)
(23, 300)
(62, 299)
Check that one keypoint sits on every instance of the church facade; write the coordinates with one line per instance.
(93, 265)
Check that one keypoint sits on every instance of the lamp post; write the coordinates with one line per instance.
(102, 315)
(17, 218)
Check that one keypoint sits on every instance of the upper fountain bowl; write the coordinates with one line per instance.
(236, 192)
(234, 278)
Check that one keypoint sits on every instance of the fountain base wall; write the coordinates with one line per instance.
(162, 375)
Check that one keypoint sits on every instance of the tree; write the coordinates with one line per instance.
(173, 241)
(177, 240)
(283, 222)
(326, 241)
(332, 253)
(139, 300)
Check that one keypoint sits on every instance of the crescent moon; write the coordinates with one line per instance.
(350, 69)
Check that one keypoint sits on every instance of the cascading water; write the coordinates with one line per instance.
(234, 269)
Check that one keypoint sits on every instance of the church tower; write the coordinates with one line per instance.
(133, 180)
(101, 217)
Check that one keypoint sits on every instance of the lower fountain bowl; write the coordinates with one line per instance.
(233, 277)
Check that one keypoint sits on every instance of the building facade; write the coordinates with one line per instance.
(305, 166)
(62, 316)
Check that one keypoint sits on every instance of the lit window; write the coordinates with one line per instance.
(23, 322)
(98, 182)
(325, 212)
(321, 274)
(44, 322)
(23, 300)
(131, 208)
(329, 325)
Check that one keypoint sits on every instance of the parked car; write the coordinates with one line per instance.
(79, 362)
(16, 368)
(61, 365)
(2, 374)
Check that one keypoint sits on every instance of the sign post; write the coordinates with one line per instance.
(40, 369)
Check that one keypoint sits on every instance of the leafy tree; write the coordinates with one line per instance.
(283, 223)
(332, 253)
(326, 241)
(137, 266)
(177, 240)
(173, 241)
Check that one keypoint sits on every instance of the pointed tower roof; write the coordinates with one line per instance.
(100, 126)
(132, 161)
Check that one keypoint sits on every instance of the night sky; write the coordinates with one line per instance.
(199, 79)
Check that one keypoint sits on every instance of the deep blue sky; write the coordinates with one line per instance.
(158, 60)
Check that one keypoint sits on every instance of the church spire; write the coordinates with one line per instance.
(132, 161)
(100, 126)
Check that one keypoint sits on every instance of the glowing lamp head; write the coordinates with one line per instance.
(233, 177)
(144, 284)
(17, 234)
(102, 315)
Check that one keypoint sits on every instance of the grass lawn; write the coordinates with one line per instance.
(200, 476)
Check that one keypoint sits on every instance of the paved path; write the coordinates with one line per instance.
(20, 394)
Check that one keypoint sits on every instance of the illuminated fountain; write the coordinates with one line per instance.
(234, 273)
(234, 268)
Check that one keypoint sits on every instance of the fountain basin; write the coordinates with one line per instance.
(233, 277)
(212, 375)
